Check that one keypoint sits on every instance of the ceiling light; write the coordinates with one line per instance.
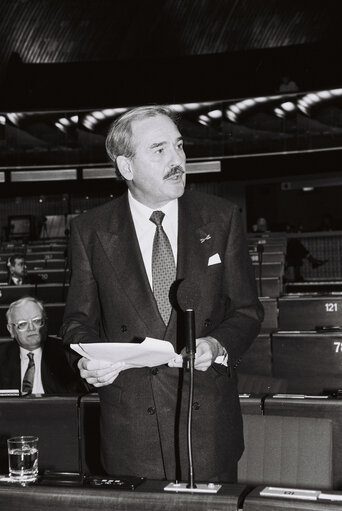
(336, 92)
(324, 94)
(64, 121)
(288, 106)
(279, 112)
(232, 116)
(215, 114)
(99, 115)
(192, 106)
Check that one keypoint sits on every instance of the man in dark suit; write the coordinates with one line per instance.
(17, 272)
(33, 362)
(114, 297)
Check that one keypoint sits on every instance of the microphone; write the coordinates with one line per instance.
(188, 297)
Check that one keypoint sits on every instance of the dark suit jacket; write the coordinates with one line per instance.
(143, 413)
(57, 376)
(27, 279)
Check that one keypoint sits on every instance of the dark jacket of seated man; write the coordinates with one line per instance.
(33, 362)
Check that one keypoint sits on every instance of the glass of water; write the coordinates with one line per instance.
(23, 458)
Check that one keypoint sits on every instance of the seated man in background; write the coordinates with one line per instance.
(17, 270)
(34, 362)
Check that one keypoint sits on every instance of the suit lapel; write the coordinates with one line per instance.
(193, 254)
(12, 367)
(121, 245)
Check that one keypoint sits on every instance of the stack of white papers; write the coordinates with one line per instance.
(151, 352)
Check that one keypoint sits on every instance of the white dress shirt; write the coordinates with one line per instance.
(24, 361)
(145, 229)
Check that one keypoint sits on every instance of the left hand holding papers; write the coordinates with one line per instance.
(100, 372)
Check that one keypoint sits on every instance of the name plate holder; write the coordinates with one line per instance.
(290, 493)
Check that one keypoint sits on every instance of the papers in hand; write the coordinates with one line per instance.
(151, 352)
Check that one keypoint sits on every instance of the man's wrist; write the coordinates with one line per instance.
(217, 348)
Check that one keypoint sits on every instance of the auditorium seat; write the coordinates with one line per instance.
(54, 292)
(54, 419)
(89, 414)
(270, 323)
(313, 407)
(310, 361)
(268, 257)
(275, 269)
(287, 451)
(257, 384)
(269, 286)
(305, 312)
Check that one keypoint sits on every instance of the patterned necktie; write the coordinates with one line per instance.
(29, 375)
(163, 267)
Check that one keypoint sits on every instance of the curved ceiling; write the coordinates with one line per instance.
(69, 55)
(66, 31)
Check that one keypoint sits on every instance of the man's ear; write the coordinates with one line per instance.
(124, 165)
(10, 329)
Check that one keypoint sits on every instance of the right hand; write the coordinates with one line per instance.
(99, 372)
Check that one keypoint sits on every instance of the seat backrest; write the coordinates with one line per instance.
(287, 451)
(54, 419)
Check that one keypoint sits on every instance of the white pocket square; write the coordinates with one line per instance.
(214, 259)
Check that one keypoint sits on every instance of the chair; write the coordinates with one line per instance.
(287, 451)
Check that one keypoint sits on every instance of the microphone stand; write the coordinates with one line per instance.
(190, 351)
(190, 360)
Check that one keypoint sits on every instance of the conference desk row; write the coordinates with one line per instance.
(69, 431)
(150, 496)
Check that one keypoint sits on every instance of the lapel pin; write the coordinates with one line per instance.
(208, 237)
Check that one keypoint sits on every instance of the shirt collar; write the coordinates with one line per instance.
(17, 280)
(142, 213)
(24, 352)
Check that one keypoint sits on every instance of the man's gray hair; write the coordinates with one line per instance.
(119, 137)
(22, 301)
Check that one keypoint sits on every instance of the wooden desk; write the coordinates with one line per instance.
(149, 496)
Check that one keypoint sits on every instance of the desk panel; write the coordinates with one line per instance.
(54, 419)
(149, 496)
(308, 312)
(310, 361)
(314, 407)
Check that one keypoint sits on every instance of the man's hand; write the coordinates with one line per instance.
(99, 372)
(207, 350)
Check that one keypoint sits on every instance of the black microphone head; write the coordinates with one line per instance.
(188, 295)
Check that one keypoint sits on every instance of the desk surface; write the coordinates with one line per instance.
(255, 502)
(149, 496)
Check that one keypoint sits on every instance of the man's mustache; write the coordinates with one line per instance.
(175, 170)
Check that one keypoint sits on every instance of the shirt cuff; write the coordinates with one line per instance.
(222, 359)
